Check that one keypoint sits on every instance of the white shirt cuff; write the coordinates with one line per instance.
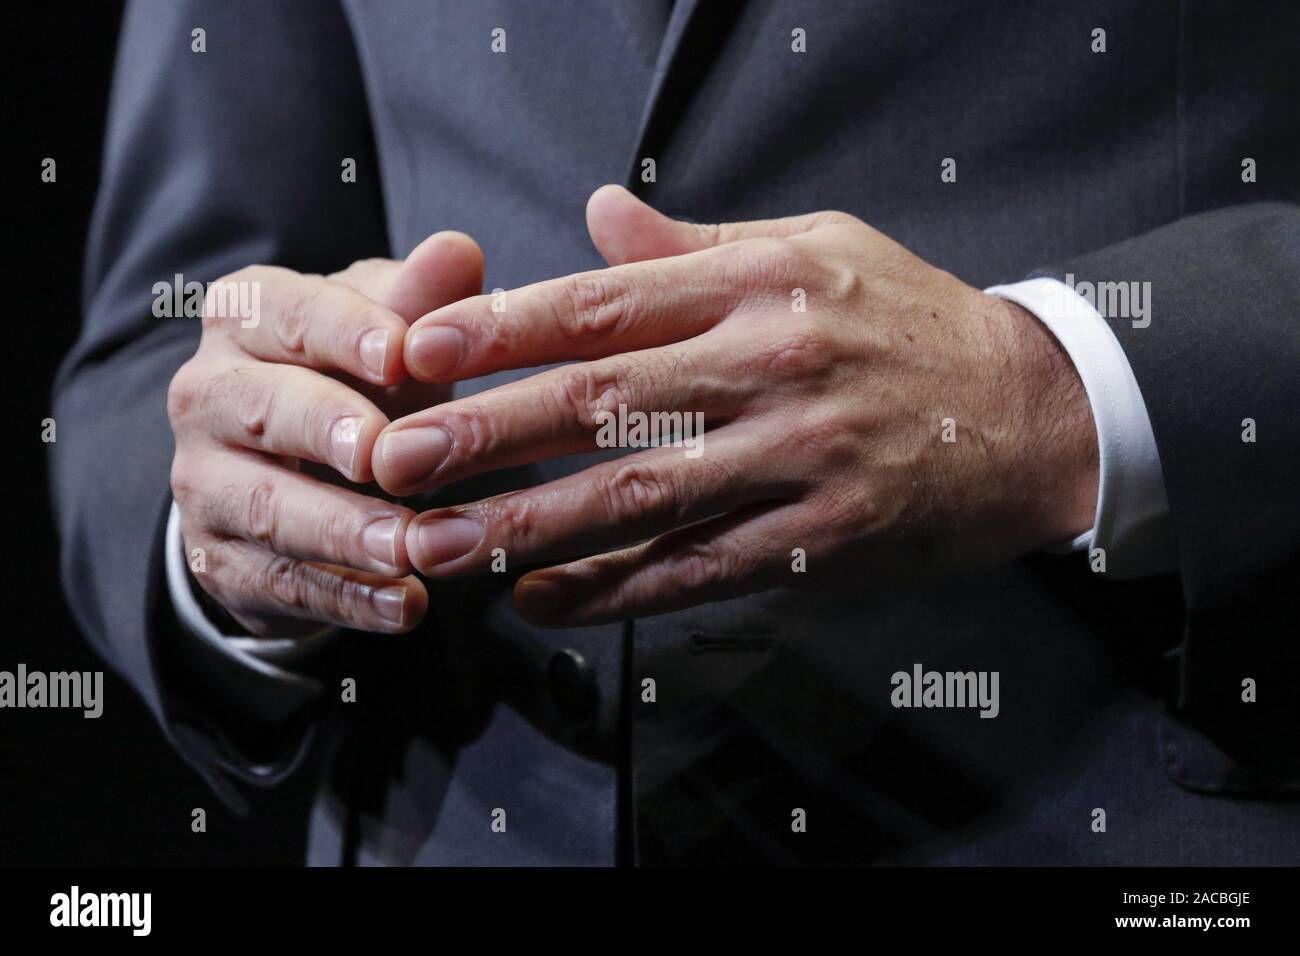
(1132, 524)
(260, 654)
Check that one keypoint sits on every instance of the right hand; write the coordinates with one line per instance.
(286, 551)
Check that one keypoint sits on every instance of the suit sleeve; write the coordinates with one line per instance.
(1218, 362)
(215, 158)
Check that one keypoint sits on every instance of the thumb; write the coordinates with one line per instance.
(625, 229)
(445, 268)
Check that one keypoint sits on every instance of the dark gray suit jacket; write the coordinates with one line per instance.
(1123, 165)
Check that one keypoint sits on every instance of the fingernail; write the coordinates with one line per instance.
(439, 540)
(374, 349)
(543, 598)
(436, 350)
(413, 454)
(390, 604)
(343, 443)
(379, 538)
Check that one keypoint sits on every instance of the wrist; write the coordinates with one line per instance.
(1059, 452)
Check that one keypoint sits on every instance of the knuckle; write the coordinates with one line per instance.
(261, 521)
(348, 274)
(584, 392)
(494, 337)
(806, 352)
(820, 431)
(636, 492)
(828, 440)
(328, 595)
(700, 564)
(855, 512)
(291, 322)
(254, 401)
(226, 578)
(837, 217)
(842, 284)
(181, 479)
(357, 272)
(340, 536)
(182, 393)
(284, 582)
(303, 590)
(598, 305)
(708, 233)
(521, 515)
(474, 437)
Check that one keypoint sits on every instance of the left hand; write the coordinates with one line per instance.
(905, 426)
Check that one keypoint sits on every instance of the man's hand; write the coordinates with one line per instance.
(305, 382)
(904, 426)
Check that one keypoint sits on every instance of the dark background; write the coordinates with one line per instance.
(72, 790)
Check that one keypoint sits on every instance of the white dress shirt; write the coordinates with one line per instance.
(1132, 520)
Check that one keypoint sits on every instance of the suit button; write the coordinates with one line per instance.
(573, 686)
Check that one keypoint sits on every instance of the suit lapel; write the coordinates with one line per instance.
(694, 35)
